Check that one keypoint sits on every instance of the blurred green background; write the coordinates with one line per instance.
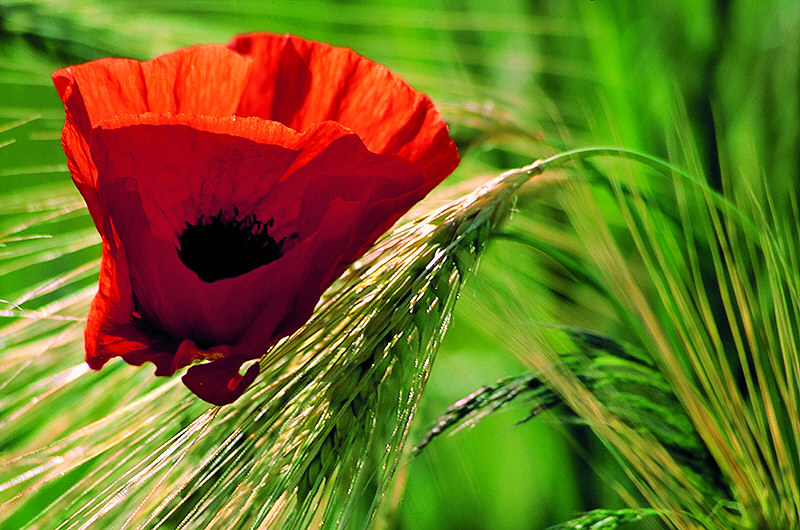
(516, 80)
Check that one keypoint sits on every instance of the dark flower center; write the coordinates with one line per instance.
(216, 248)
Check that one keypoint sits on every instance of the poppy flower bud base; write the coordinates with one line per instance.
(231, 186)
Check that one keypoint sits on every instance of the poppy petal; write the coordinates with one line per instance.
(300, 82)
(157, 173)
(219, 382)
(174, 83)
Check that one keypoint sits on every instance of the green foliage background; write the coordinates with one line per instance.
(517, 80)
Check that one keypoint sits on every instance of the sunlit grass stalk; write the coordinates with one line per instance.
(369, 390)
(741, 400)
(752, 436)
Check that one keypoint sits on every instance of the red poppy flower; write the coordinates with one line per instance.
(231, 187)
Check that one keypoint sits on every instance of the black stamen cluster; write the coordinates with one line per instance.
(216, 248)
